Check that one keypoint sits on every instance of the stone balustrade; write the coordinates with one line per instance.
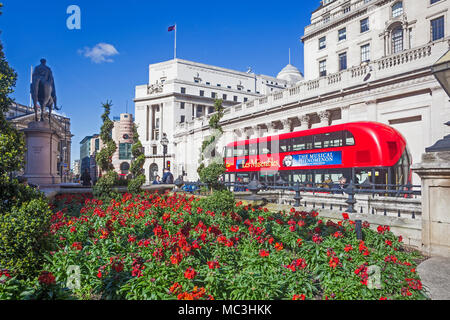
(393, 65)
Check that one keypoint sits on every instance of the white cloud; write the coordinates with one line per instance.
(100, 53)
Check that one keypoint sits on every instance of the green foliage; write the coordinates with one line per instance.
(214, 121)
(12, 144)
(24, 237)
(211, 174)
(20, 289)
(103, 189)
(143, 247)
(220, 201)
(104, 186)
(104, 156)
(137, 165)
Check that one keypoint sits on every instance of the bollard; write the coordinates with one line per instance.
(358, 230)
(297, 196)
(350, 190)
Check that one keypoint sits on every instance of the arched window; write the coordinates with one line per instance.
(397, 40)
(397, 9)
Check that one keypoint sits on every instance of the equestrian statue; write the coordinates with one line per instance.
(43, 90)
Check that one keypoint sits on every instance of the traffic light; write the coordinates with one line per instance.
(168, 165)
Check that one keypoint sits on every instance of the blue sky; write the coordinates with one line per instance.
(231, 34)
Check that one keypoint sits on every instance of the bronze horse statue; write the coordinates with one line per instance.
(43, 90)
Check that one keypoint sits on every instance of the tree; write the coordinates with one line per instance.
(12, 144)
(104, 186)
(212, 167)
(137, 165)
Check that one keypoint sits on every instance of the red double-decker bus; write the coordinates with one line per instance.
(365, 152)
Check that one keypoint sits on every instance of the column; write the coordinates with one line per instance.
(271, 128)
(372, 113)
(345, 113)
(286, 125)
(305, 122)
(325, 117)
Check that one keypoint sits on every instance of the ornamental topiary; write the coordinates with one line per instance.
(104, 186)
(211, 172)
(134, 185)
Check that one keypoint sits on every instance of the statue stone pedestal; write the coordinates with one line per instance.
(434, 172)
(41, 155)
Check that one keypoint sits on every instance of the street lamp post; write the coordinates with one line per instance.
(441, 71)
(164, 143)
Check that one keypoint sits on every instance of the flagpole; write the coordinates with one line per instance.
(175, 46)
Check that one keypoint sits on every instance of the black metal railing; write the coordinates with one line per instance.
(351, 190)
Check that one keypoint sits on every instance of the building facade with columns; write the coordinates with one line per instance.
(365, 60)
(180, 93)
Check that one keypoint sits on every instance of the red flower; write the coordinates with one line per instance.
(77, 245)
(190, 273)
(263, 253)
(46, 278)
(317, 239)
(99, 274)
(234, 229)
(334, 262)
(298, 297)
(175, 288)
(278, 246)
(348, 248)
(213, 264)
(345, 216)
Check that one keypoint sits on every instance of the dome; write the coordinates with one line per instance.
(290, 74)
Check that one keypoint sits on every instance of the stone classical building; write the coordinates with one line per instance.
(180, 93)
(365, 60)
(21, 116)
(122, 134)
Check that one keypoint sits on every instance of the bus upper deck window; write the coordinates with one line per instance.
(349, 139)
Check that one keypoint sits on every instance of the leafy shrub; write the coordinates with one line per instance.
(134, 185)
(104, 186)
(219, 201)
(44, 287)
(24, 237)
(210, 175)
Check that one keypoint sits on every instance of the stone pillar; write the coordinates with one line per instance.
(325, 117)
(305, 122)
(345, 115)
(271, 128)
(286, 125)
(434, 172)
(41, 155)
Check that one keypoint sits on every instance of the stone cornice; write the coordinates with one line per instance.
(383, 85)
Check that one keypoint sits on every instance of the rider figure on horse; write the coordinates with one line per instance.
(43, 90)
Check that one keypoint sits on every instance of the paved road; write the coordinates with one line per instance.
(435, 276)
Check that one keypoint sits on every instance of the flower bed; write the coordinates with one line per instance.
(170, 247)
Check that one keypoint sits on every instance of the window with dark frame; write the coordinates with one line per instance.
(322, 43)
(364, 25)
(343, 61)
(342, 34)
(323, 68)
(437, 28)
